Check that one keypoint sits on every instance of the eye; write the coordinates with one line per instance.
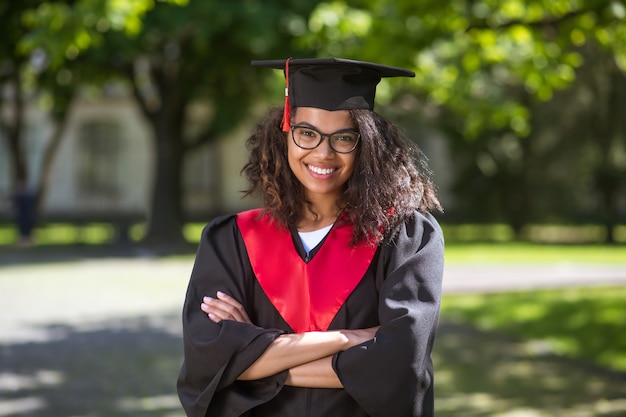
(345, 137)
(303, 131)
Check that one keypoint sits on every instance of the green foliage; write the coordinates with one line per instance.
(172, 54)
(507, 82)
(66, 29)
(580, 322)
(480, 58)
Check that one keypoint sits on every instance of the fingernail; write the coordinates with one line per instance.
(220, 294)
(206, 299)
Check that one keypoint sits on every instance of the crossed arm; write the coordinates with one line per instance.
(307, 356)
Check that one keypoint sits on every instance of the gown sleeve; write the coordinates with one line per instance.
(216, 354)
(392, 375)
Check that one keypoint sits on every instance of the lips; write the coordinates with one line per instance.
(321, 171)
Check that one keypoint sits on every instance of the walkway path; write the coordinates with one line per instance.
(505, 277)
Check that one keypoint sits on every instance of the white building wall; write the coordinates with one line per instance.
(135, 164)
(212, 172)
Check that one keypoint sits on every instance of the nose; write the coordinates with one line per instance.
(324, 148)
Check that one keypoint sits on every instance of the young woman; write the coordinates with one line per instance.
(325, 301)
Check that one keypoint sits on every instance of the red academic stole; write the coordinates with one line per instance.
(307, 295)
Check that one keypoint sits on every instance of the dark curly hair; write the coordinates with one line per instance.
(391, 178)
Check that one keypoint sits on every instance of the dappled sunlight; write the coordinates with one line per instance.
(157, 403)
(42, 377)
(610, 407)
(21, 406)
(521, 412)
(117, 367)
(482, 373)
(476, 403)
(552, 321)
(12, 384)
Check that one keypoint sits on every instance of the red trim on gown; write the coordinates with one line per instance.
(307, 295)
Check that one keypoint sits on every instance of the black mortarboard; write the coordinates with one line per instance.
(330, 83)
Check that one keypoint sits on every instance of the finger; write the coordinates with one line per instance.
(230, 300)
(218, 308)
(215, 314)
(224, 310)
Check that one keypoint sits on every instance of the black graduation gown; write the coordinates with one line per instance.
(391, 375)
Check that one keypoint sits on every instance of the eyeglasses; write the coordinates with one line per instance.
(343, 141)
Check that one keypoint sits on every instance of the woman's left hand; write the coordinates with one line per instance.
(224, 307)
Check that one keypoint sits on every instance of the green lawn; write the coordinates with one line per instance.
(490, 253)
(586, 323)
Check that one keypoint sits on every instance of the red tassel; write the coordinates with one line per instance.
(285, 124)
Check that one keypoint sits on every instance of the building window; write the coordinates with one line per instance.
(99, 159)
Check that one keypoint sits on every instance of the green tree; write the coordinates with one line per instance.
(171, 54)
(14, 63)
(42, 62)
(198, 52)
(486, 65)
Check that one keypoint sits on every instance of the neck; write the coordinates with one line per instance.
(317, 216)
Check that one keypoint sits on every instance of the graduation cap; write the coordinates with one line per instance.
(330, 83)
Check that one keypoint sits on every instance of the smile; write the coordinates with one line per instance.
(321, 171)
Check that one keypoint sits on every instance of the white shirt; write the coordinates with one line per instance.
(312, 239)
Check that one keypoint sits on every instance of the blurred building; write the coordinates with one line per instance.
(102, 169)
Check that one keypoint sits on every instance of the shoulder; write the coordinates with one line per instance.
(220, 222)
(221, 227)
(415, 253)
(230, 220)
(424, 223)
(230, 223)
(418, 231)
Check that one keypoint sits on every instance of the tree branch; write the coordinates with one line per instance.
(129, 70)
(51, 150)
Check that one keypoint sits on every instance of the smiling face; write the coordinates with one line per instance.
(322, 171)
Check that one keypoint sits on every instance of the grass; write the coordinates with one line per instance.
(538, 233)
(527, 252)
(585, 323)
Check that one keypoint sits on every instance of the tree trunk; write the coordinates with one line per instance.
(165, 221)
(608, 129)
(14, 129)
(48, 157)
(166, 116)
(519, 189)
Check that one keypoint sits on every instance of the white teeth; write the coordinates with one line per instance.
(321, 171)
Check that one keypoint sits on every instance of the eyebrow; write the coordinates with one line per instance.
(307, 124)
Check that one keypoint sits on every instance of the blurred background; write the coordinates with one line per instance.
(122, 132)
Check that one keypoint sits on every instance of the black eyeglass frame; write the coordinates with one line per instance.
(322, 136)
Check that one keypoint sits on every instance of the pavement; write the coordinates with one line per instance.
(521, 277)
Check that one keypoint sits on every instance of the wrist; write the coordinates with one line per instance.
(344, 339)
